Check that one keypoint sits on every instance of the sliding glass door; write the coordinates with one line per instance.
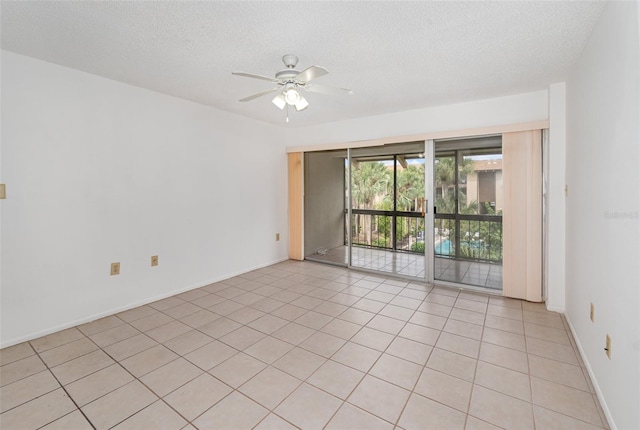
(467, 216)
(387, 212)
(324, 207)
(431, 210)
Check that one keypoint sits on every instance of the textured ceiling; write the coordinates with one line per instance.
(394, 55)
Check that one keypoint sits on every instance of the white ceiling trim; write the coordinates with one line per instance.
(470, 132)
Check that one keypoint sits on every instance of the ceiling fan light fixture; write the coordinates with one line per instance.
(302, 104)
(291, 96)
(288, 83)
(279, 101)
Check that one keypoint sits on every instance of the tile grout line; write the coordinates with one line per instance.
(65, 391)
(395, 424)
(475, 370)
(378, 313)
(135, 378)
(395, 336)
(526, 349)
(348, 340)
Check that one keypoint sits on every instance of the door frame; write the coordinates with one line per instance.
(429, 251)
(296, 224)
(428, 167)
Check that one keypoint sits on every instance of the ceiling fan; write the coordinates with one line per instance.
(289, 81)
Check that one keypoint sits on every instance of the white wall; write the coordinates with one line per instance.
(98, 172)
(513, 109)
(556, 172)
(603, 234)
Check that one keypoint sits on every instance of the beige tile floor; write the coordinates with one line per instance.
(407, 264)
(305, 345)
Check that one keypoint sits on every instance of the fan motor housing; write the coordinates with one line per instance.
(287, 74)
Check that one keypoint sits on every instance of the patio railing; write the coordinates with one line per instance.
(394, 230)
(469, 237)
(463, 237)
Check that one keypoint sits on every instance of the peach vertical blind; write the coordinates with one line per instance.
(522, 215)
(295, 205)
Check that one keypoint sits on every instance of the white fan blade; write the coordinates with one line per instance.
(311, 73)
(323, 89)
(260, 94)
(251, 75)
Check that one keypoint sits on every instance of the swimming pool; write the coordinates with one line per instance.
(443, 248)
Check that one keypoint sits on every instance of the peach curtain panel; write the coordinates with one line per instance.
(295, 205)
(522, 215)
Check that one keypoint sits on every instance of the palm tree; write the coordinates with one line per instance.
(445, 178)
(410, 187)
(410, 191)
(370, 179)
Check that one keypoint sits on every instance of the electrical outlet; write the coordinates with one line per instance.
(154, 260)
(115, 269)
(277, 237)
(607, 347)
(592, 312)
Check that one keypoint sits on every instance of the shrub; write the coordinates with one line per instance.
(417, 247)
(380, 242)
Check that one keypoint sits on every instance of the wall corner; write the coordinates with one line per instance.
(555, 175)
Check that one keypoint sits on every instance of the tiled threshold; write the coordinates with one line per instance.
(306, 345)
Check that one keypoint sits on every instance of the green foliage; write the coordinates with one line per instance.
(410, 187)
(481, 240)
(444, 172)
(370, 179)
(381, 242)
(404, 229)
(418, 247)
(445, 177)
(372, 183)
(478, 239)
(384, 222)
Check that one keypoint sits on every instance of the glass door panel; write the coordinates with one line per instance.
(480, 206)
(387, 209)
(410, 207)
(445, 208)
(371, 197)
(468, 215)
(371, 193)
(324, 207)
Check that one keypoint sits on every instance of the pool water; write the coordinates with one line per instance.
(443, 248)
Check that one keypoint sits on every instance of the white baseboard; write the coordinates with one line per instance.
(594, 381)
(50, 330)
(552, 308)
